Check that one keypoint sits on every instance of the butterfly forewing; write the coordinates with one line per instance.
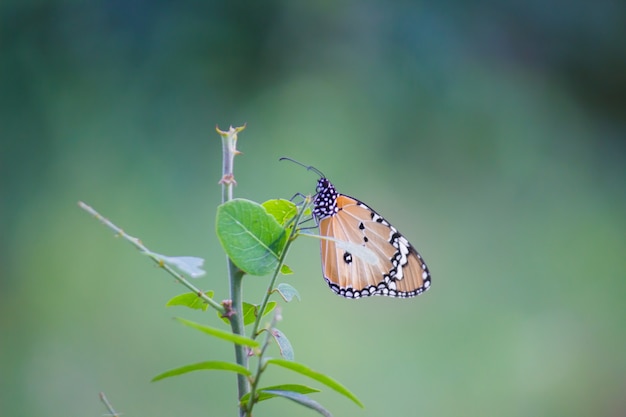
(394, 267)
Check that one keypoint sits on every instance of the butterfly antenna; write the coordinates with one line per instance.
(308, 167)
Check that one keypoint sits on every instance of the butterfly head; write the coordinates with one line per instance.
(324, 185)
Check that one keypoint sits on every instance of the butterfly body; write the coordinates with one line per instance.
(362, 253)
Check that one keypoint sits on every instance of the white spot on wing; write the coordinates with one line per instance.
(355, 249)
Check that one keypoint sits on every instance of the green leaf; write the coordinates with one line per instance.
(302, 400)
(262, 395)
(286, 350)
(282, 210)
(221, 334)
(251, 237)
(285, 270)
(250, 312)
(211, 365)
(250, 316)
(324, 379)
(191, 300)
(287, 292)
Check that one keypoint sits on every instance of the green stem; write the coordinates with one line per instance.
(281, 260)
(268, 293)
(229, 151)
(236, 324)
(261, 362)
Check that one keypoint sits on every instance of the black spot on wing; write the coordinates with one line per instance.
(347, 257)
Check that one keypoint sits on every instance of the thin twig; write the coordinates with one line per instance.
(108, 405)
(261, 365)
(154, 256)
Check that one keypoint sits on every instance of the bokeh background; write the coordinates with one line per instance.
(492, 135)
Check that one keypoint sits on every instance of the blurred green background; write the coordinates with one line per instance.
(492, 135)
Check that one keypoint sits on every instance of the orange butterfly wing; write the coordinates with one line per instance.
(390, 265)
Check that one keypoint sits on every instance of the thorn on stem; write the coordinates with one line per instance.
(232, 130)
(228, 179)
(228, 309)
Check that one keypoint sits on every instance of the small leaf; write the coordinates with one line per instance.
(211, 365)
(191, 300)
(282, 210)
(250, 312)
(286, 350)
(302, 400)
(221, 334)
(250, 316)
(188, 264)
(251, 237)
(324, 379)
(287, 292)
(262, 395)
(285, 270)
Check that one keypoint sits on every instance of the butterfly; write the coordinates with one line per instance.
(362, 253)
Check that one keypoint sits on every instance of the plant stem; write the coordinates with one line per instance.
(281, 260)
(229, 151)
(108, 405)
(268, 293)
(261, 362)
(236, 324)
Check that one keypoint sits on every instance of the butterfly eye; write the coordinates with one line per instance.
(322, 185)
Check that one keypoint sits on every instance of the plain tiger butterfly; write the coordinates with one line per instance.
(362, 253)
